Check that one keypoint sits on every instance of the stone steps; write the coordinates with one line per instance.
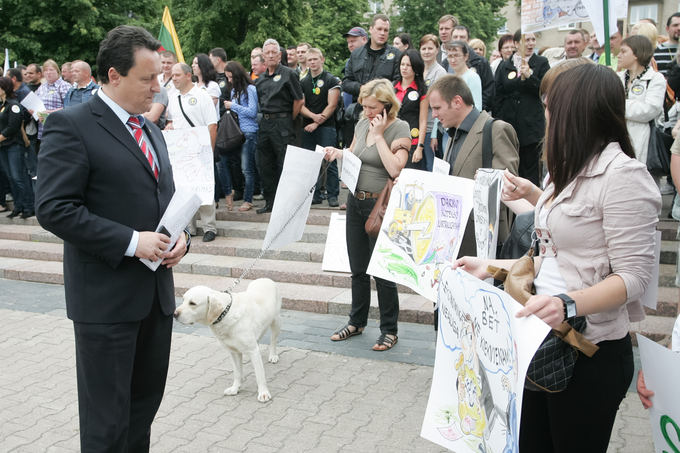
(207, 263)
(295, 296)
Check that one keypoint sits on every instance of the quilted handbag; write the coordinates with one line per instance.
(553, 364)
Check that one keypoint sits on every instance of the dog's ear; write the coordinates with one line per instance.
(214, 309)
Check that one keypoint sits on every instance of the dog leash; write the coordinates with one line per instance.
(265, 249)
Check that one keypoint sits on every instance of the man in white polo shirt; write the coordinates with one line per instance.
(190, 106)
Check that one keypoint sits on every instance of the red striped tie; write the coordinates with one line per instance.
(136, 127)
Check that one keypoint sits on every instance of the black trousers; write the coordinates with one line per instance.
(359, 248)
(121, 370)
(273, 137)
(529, 162)
(579, 419)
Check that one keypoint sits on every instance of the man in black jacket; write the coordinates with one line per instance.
(375, 60)
(479, 64)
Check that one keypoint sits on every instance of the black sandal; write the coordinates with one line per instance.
(344, 333)
(383, 343)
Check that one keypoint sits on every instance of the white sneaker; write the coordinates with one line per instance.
(665, 188)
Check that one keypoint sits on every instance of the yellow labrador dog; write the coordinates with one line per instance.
(238, 320)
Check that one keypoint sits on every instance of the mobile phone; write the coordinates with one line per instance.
(388, 107)
(164, 231)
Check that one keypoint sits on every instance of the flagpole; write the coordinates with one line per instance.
(607, 46)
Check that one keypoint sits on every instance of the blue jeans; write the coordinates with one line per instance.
(12, 158)
(224, 176)
(248, 165)
(324, 136)
(428, 153)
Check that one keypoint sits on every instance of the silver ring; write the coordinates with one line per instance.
(515, 188)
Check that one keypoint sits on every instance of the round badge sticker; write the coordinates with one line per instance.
(316, 90)
(277, 77)
(319, 83)
(512, 75)
(15, 109)
(222, 83)
(390, 56)
(428, 82)
(413, 96)
(192, 101)
(637, 89)
(415, 132)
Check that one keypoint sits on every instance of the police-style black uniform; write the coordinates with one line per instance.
(276, 94)
(316, 91)
(10, 123)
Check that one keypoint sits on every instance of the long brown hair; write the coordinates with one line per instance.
(586, 106)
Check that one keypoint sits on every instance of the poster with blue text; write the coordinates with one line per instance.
(482, 356)
(422, 229)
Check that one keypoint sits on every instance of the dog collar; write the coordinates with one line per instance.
(224, 312)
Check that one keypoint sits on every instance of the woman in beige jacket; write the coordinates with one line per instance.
(597, 218)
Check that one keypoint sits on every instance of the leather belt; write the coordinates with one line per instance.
(362, 195)
(276, 115)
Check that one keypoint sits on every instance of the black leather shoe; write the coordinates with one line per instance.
(316, 200)
(27, 214)
(209, 236)
(333, 202)
(13, 214)
(266, 208)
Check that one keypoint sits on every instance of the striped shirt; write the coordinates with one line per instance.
(664, 56)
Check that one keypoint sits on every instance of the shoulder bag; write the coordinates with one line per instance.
(658, 151)
(552, 366)
(230, 137)
(375, 218)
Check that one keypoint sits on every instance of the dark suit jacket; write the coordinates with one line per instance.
(95, 187)
(518, 101)
(505, 147)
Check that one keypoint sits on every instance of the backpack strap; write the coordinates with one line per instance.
(487, 144)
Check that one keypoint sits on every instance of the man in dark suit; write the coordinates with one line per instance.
(104, 182)
(451, 102)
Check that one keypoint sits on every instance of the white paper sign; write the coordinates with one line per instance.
(422, 229)
(335, 258)
(661, 368)
(441, 166)
(351, 165)
(651, 295)
(293, 197)
(537, 15)
(33, 102)
(176, 217)
(487, 203)
(482, 356)
(191, 156)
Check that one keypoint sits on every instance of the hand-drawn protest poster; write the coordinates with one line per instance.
(422, 229)
(482, 356)
(537, 15)
(486, 206)
(335, 257)
(293, 197)
(661, 368)
(191, 156)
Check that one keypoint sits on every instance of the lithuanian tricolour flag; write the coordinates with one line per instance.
(168, 36)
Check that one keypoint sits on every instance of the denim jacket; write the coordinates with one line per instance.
(603, 223)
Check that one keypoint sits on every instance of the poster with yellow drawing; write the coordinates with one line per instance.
(422, 229)
(482, 356)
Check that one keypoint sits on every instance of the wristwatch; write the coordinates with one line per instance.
(569, 306)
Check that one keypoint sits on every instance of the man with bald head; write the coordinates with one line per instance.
(84, 87)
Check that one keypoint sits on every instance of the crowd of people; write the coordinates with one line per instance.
(403, 105)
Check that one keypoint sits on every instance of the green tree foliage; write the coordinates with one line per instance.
(239, 26)
(235, 25)
(327, 21)
(419, 17)
(66, 30)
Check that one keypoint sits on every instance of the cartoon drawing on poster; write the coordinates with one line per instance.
(487, 202)
(661, 368)
(422, 229)
(482, 355)
(191, 157)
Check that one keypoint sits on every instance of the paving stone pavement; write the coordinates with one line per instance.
(327, 397)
